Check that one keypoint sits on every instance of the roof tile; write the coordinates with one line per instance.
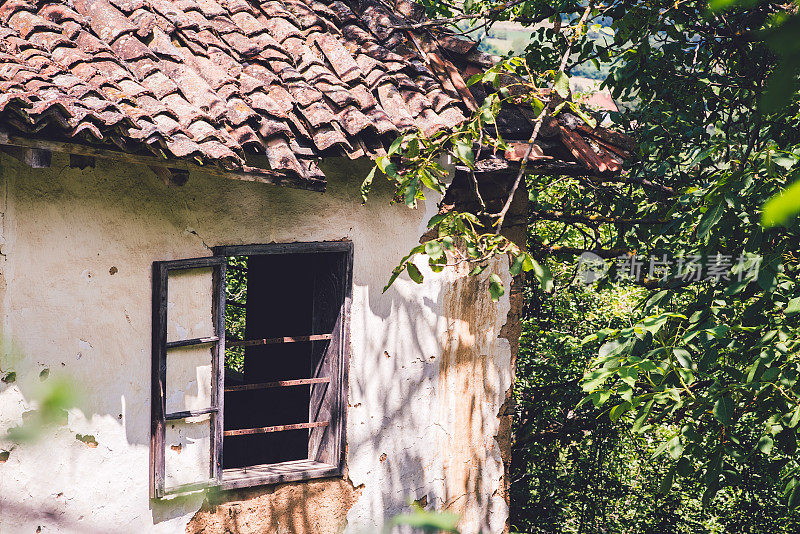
(106, 21)
(327, 136)
(341, 60)
(269, 127)
(281, 29)
(317, 114)
(129, 6)
(27, 23)
(353, 121)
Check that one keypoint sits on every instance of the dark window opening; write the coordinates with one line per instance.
(283, 337)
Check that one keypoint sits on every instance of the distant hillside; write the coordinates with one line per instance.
(505, 38)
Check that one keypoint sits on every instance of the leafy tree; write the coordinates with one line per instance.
(707, 366)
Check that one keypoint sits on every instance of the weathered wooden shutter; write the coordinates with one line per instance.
(187, 375)
(328, 402)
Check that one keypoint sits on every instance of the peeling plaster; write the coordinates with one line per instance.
(317, 506)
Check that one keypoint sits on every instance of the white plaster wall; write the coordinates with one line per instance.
(76, 254)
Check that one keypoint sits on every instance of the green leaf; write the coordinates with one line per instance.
(538, 106)
(367, 184)
(588, 119)
(477, 270)
(522, 262)
(414, 273)
(641, 417)
(723, 410)
(684, 467)
(436, 219)
(429, 521)
(793, 306)
(430, 181)
(386, 166)
(475, 78)
(411, 193)
(795, 417)
(516, 265)
(543, 275)
(683, 357)
(675, 447)
(396, 144)
(654, 323)
(594, 379)
(629, 375)
(599, 398)
(496, 289)
(618, 410)
(690, 434)
(666, 482)
(463, 151)
(561, 84)
(436, 266)
(765, 444)
(720, 5)
(791, 492)
(392, 278)
(781, 207)
(710, 218)
(782, 82)
(434, 250)
(661, 449)
(614, 348)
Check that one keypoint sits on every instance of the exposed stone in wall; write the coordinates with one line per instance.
(312, 507)
(511, 331)
(470, 396)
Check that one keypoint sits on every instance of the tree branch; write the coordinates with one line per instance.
(605, 253)
(452, 20)
(531, 142)
(666, 190)
(560, 216)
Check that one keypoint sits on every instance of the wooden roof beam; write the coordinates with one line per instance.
(246, 173)
(36, 158)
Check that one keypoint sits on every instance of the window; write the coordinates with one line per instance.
(250, 351)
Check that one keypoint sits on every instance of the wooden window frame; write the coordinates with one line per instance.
(158, 402)
(265, 474)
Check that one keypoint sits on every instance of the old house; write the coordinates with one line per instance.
(182, 241)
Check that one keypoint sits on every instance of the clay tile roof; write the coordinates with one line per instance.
(221, 81)
(217, 80)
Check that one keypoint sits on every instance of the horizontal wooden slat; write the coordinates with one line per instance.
(190, 413)
(190, 342)
(279, 428)
(193, 486)
(206, 262)
(255, 475)
(277, 340)
(284, 248)
(278, 384)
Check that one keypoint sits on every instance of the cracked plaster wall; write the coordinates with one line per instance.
(428, 373)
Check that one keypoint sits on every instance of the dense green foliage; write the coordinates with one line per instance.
(679, 411)
(236, 300)
(574, 470)
(712, 361)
